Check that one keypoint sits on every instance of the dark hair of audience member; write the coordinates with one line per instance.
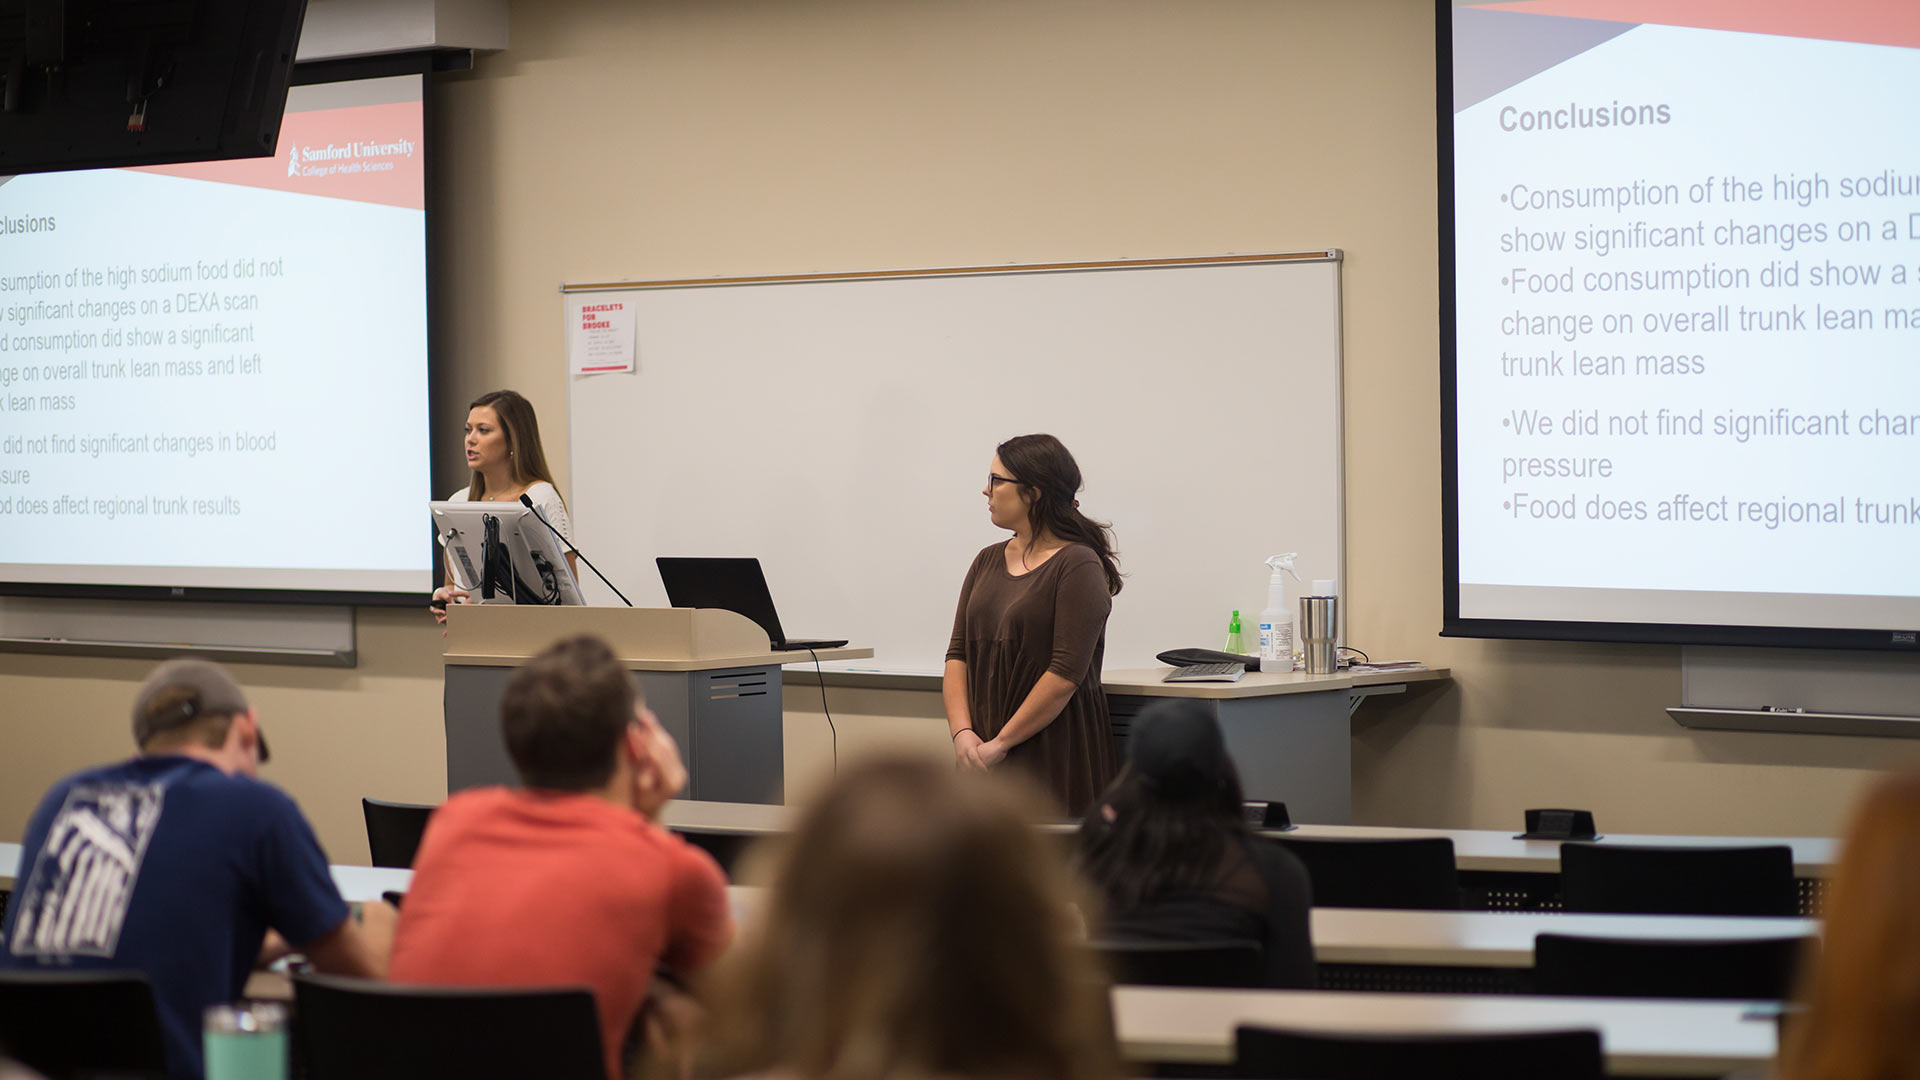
(564, 713)
(522, 428)
(1158, 840)
(917, 926)
(1042, 466)
(1861, 997)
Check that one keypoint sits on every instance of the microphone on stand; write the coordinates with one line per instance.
(527, 502)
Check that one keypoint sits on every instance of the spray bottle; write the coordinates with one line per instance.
(1276, 619)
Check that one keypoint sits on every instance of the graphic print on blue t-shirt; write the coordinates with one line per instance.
(75, 899)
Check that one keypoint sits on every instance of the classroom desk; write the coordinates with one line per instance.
(1290, 734)
(1473, 849)
(1639, 1037)
(1497, 871)
(1496, 850)
(1505, 939)
(369, 882)
(1479, 939)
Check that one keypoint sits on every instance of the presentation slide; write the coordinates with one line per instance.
(215, 375)
(1687, 312)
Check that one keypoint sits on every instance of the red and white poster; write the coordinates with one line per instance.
(600, 336)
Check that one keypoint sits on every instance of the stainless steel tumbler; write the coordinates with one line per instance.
(1319, 628)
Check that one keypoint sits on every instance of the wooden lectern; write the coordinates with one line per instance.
(710, 675)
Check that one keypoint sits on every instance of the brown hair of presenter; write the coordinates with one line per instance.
(918, 926)
(1861, 1016)
(522, 428)
(1043, 468)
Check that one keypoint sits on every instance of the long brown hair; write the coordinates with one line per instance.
(522, 428)
(917, 926)
(1041, 465)
(1862, 998)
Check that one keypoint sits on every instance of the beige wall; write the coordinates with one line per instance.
(684, 138)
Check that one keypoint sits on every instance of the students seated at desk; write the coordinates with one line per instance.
(570, 880)
(1170, 852)
(916, 927)
(177, 863)
(1862, 999)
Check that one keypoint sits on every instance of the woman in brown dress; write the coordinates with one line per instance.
(1022, 684)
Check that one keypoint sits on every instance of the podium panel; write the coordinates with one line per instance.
(710, 676)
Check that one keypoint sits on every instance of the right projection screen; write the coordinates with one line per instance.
(1680, 275)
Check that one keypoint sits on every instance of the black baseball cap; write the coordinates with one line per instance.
(1177, 748)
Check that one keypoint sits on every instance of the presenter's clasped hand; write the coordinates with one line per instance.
(963, 744)
(987, 755)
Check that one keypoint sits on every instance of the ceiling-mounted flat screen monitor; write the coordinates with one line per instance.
(91, 84)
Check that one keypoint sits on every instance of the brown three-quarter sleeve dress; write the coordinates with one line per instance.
(1011, 630)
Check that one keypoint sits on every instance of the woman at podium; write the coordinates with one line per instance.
(1022, 681)
(503, 450)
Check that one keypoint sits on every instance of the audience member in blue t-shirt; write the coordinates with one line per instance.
(179, 862)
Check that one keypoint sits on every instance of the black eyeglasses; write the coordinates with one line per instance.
(994, 480)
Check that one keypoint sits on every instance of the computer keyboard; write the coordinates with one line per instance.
(1206, 673)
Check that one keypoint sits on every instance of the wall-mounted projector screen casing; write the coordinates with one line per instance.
(213, 378)
(1680, 322)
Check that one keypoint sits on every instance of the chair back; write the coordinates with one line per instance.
(1227, 962)
(1417, 873)
(1751, 969)
(358, 1029)
(394, 830)
(1625, 879)
(1279, 1054)
(79, 1025)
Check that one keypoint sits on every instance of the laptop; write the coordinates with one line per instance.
(736, 585)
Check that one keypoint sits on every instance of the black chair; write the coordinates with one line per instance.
(1753, 969)
(1379, 873)
(394, 830)
(75, 1025)
(357, 1029)
(1277, 1054)
(1134, 962)
(727, 849)
(1624, 879)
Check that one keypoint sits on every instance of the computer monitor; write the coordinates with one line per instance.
(502, 554)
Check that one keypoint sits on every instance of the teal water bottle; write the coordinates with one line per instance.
(246, 1041)
(1234, 644)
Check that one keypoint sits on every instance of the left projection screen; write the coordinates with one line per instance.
(214, 376)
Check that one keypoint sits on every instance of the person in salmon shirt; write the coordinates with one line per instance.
(569, 880)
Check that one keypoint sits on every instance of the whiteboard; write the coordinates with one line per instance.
(839, 428)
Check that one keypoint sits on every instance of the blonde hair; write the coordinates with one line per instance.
(1862, 997)
(917, 926)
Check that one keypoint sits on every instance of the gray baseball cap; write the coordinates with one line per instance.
(181, 691)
